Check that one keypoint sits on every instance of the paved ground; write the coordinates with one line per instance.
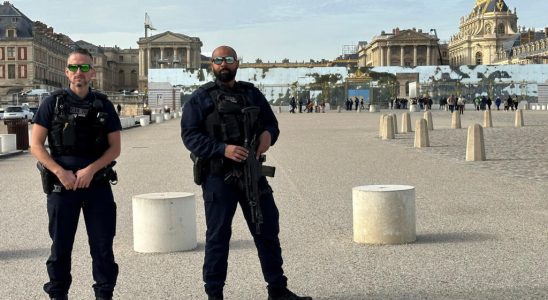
(482, 227)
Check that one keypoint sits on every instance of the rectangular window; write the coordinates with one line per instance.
(22, 71)
(11, 52)
(2, 53)
(11, 71)
(121, 58)
(2, 71)
(11, 33)
(22, 55)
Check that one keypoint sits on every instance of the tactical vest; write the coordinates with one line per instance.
(78, 129)
(225, 122)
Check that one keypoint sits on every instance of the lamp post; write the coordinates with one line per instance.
(438, 44)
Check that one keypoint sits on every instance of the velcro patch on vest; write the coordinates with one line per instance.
(80, 112)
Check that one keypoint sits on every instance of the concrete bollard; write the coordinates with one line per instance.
(388, 127)
(338, 108)
(406, 122)
(421, 134)
(455, 120)
(394, 122)
(159, 119)
(374, 108)
(384, 214)
(428, 118)
(144, 121)
(413, 108)
(475, 145)
(279, 109)
(381, 124)
(8, 142)
(487, 120)
(167, 116)
(164, 222)
(519, 118)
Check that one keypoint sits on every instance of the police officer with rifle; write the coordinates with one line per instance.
(83, 132)
(228, 125)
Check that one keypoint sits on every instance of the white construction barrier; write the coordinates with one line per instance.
(164, 222)
(384, 214)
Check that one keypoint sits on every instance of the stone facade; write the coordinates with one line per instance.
(32, 56)
(167, 50)
(482, 33)
(406, 48)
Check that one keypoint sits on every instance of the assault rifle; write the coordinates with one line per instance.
(253, 167)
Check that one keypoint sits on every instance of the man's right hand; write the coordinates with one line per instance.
(236, 153)
(67, 179)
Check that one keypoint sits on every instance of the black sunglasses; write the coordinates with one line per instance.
(83, 68)
(219, 60)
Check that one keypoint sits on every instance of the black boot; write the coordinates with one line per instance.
(103, 298)
(65, 297)
(215, 297)
(284, 294)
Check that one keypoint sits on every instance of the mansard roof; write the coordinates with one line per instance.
(11, 17)
(489, 6)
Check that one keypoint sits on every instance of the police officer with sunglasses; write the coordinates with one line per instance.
(212, 129)
(83, 132)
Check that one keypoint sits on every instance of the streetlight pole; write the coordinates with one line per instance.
(438, 44)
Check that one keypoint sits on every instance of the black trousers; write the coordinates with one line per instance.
(99, 209)
(221, 200)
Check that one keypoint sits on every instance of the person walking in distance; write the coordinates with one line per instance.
(83, 132)
(212, 131)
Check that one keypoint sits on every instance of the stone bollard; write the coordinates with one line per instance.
(279, 109)
(8, 142)
(421, 134)
(384, 214)
(413, 108)
(159, 118)
(406, 122)
(338, 108)
(519, 118)
(455, 120)
(381, 124)
(374, 108)
(394, 122)
(359, 110)
(388, 127)
(144, 121)
(487, 121)
(164, 222)
(428, 118)
(167, 116)
(475, 146)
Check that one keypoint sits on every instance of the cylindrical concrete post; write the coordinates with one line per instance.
(338, 108)
(167, 116)
(374, 108)
(384, 214)
(159, 118)
(487, 121)
(164, 222)
(279, 109)
(381, 124)
(428, 117)
(8, 142)
(413, 108)
(455, 120)
(421, 134)
(519, 118)
(475, 145)
(144, 121)
(406, 122)
(394, 123)
(388, 127)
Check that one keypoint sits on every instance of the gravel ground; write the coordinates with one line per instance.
(481, 226)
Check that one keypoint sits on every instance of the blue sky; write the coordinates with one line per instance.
(267, 29)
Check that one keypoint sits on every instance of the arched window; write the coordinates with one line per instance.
(479, 58)
(500, 29)
(122, 78)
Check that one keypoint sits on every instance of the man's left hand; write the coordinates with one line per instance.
(83, 178)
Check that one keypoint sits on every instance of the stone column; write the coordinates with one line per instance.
(161, 53)
(382, 56)
(175, 53)
(428, 60)
(388, 56)
(188, 58)
(414, 55)
(401, 56)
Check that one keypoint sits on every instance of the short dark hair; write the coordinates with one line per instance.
(81, 51)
